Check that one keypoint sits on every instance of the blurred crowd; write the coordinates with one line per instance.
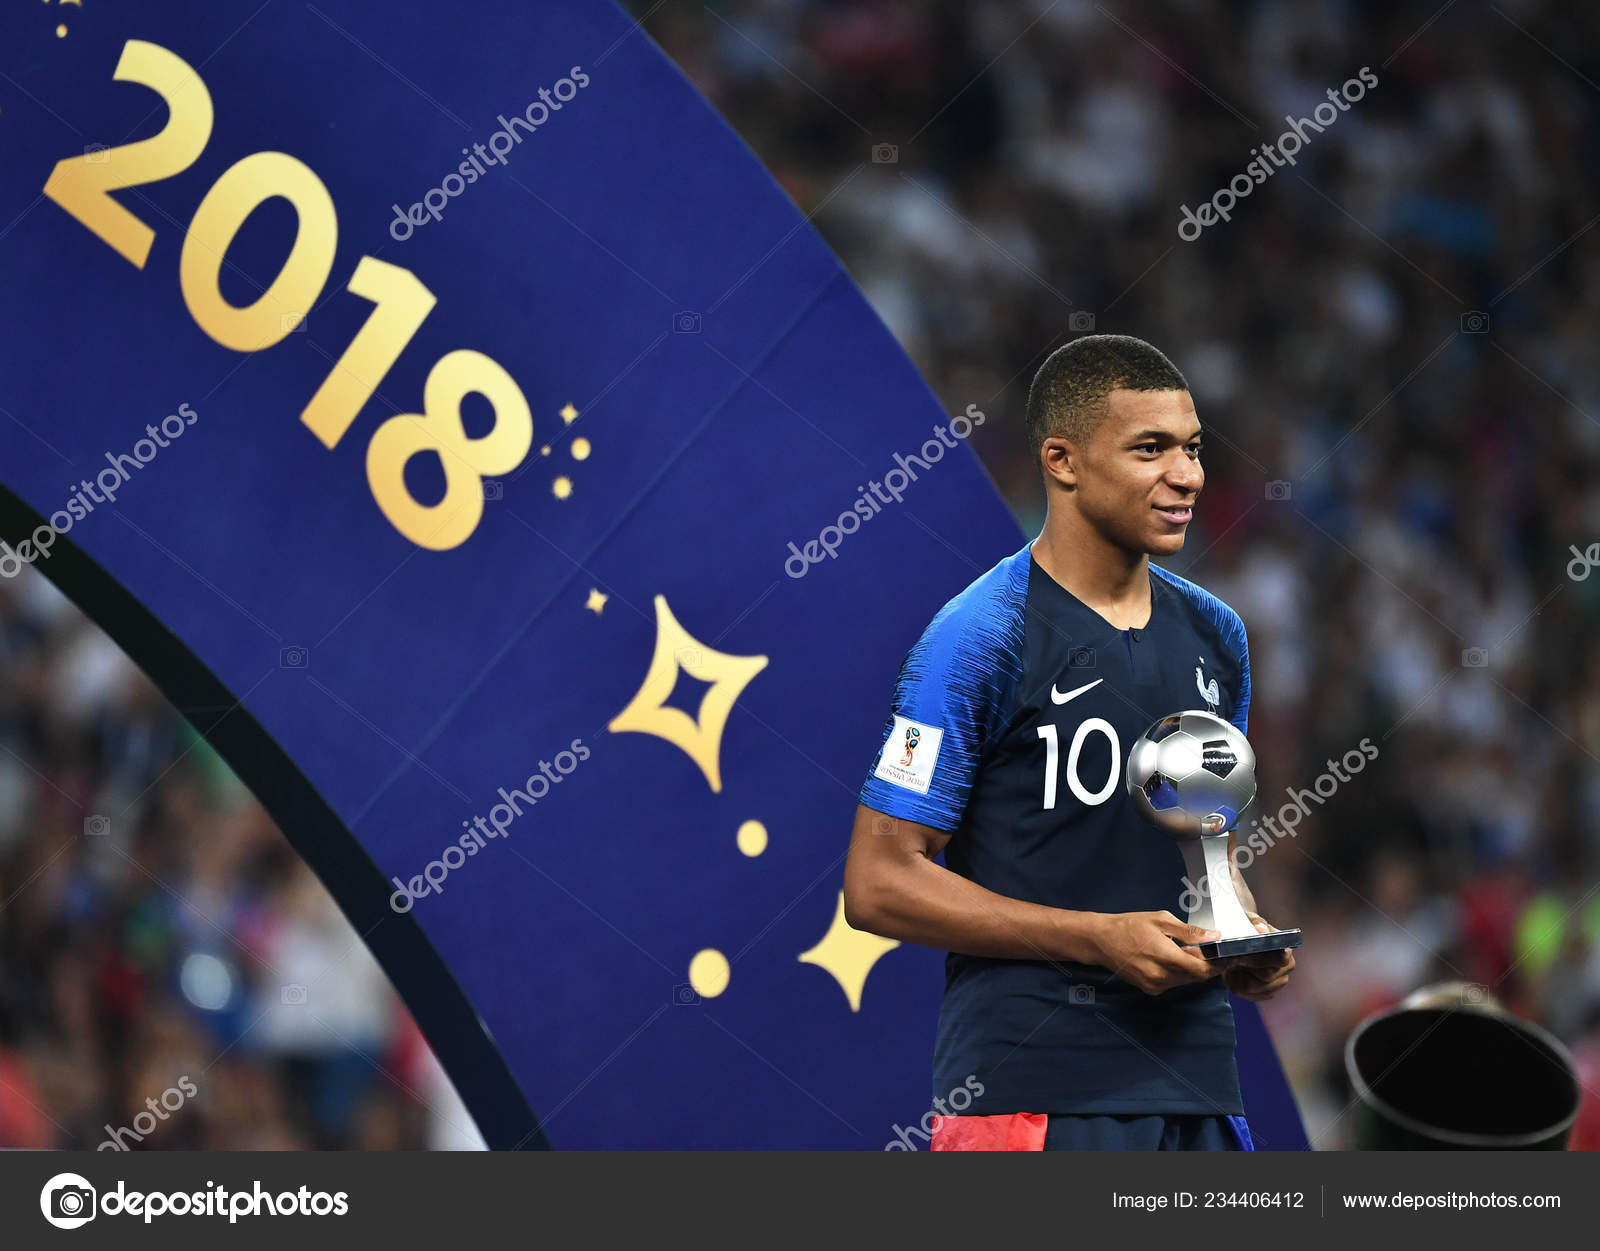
(1391, 344)
(172, 976)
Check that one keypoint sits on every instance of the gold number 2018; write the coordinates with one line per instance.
(82, 185)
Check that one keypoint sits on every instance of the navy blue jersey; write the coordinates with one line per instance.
(1011, 725)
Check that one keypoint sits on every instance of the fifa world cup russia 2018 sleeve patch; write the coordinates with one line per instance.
(909, 755)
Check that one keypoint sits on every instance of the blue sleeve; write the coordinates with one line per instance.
(951, 701)
(1230, 627)
(1233, 633)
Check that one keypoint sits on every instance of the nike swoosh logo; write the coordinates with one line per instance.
(1056, 697)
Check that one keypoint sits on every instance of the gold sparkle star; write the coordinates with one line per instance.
(848, 954)
(676, 648)
(597, 601)
(569, 414)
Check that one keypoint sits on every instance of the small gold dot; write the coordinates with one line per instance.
(708, 973)
(61, 31)
(569, 414)
(544, 451)
(562, 487)
(752, 838)
(580, 448)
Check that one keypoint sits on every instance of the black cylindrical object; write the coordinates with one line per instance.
(1459, 1077)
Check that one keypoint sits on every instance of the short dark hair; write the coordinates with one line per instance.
(1068, 397)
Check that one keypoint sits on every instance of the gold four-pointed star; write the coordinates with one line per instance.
(676, 649)
(848, 954)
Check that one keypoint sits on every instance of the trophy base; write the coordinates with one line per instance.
(1250, 944)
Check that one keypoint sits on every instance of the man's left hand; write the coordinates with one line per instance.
(1261, 976)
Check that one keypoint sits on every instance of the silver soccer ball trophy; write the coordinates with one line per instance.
(1193, 774)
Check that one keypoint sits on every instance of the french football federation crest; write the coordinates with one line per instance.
(1208, 690)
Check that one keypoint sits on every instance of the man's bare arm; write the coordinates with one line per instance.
(893, 887)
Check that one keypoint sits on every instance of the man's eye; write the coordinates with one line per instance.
(1196, 448)
(1145, 447)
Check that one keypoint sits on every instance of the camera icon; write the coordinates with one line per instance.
(67, 1201)
(1080, 322)
(1280, 490)
(1474, 995)
(292, 323)
(72, 1202)
(1475, 657)
(97, 825)
(688, 657)
(1080, 994)
(293, 658)
(885, 154)
(292, 995)
(96, 154)
(686, 323)
(494, 491)
(1081, 658)
(1474, 322)
(684, 995)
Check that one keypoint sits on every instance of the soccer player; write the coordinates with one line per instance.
(1073, 995)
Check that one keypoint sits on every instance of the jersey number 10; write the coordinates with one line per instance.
(1052, 760)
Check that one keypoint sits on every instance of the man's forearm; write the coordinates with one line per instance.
(928, 904)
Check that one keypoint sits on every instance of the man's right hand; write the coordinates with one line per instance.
(1139, 948)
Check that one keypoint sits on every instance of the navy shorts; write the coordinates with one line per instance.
(1147, 1133)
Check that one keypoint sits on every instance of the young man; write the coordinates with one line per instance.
(1073, 994)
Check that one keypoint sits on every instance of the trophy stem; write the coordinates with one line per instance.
(1212, 884)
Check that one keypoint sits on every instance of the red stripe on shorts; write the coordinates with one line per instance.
(1011, 1131)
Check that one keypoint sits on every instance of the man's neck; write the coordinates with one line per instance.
(1113, 582)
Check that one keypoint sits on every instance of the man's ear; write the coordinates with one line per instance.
(1060, 459)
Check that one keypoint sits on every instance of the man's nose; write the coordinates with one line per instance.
(1186, 475)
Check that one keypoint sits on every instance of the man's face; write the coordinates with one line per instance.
(1139, 475)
